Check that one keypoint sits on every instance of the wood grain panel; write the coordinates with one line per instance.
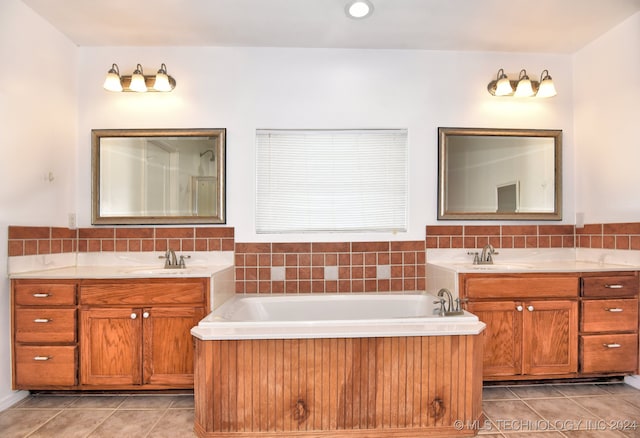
(609, 353)
(45, 325)
(615, 285)
(609, 315)
(29, 293)
(387, 386)
(145, 292)
(520, 286)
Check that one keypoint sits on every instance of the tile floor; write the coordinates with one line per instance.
(541, 411)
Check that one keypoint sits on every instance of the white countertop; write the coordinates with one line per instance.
(116, 265)
(115, 272)
(537, 260)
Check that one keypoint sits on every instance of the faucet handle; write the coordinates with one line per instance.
(476, 256)
(182, 264)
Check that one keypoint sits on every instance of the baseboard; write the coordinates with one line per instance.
(633, 381)
(12, 399)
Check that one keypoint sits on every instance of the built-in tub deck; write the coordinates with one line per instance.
(337, 365)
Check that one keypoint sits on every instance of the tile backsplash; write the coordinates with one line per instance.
(52, 240)
(320, 266)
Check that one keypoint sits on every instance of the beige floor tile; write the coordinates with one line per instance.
(509, 414)
(147, 402)
(98, 402)
(577, 390)
(611, 408)
(497, 393)
(127, 424)
(43, 401)
(174, 423)
(547, 434)
(18, 423)
(593, 434)
(72, 423)
(536, 391)
(619, 388)
(183, 402)
(563, 413)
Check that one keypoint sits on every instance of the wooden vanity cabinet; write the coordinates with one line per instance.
(137, 334)
(105, 334)
(44, 334)
(609, 323)
(532, 323)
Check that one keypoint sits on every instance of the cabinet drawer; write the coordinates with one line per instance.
(609, 353)
(521, 287)
(144, 293)
(609, 315)
(45, 294)
(44, 366)
(610, 286)
(45, 325)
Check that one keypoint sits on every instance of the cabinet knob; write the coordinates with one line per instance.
(145, 315)
(613, 309)
(519, 308)
(612, 345)
(530, 308)
(134, 315)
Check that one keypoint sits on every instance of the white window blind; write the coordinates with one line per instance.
(331, 180)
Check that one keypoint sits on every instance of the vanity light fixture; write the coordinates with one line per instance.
(523, 87)
(359, 9)
(138, 81)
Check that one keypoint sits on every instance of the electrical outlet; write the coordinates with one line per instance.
(72, 221)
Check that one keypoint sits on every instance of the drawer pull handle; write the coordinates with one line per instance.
(613, 309)
(613, 286)
(42, 320)
(42, 358)
(41, 295)
(612, 345)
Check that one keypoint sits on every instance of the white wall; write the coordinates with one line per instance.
(38, 105)
(607, 118)
(243, 89)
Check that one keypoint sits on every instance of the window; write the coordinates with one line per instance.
(331, 180)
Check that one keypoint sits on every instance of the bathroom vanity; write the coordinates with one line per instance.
(108, 328)
(552, 319)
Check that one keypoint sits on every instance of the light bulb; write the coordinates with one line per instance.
(162, 80)
(137, 81)
(112, 81)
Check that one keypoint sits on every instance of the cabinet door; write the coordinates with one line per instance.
(168, 345)
(550, 337)
(111, 340)
(502, 337)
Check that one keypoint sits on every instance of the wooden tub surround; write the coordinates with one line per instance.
(376, 386)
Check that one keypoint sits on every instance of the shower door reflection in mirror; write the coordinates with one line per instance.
(158, 176)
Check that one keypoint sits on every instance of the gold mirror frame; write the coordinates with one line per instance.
(215, 139)
(445, 136)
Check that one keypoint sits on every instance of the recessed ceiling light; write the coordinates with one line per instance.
(359, 9)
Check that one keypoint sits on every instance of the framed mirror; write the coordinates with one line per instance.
(158, 176)
(513, 174)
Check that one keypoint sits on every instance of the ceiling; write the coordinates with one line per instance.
(547, 26)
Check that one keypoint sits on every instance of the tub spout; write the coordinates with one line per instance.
(453, 307)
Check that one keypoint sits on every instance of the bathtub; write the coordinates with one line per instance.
(357, 365)
(291, 316)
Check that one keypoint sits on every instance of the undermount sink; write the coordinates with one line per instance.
(160, 271)
(501, 267)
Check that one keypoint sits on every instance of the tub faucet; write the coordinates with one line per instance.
(486, 258)
(452, 307)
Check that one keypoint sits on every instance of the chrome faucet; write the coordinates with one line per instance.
(486, 258)
(171, 260)
(448, 306)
